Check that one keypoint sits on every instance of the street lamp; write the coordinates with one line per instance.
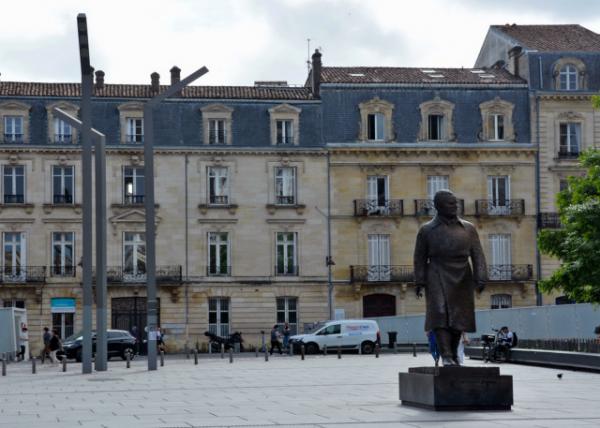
(149, 208)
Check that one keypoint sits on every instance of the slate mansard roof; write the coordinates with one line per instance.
(552, 38)
(67, 90)
(418, 76)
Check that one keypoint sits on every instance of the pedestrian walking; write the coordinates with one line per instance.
(54, 345)
(23, 339)
(275, 340)
(286, 336)
(46, 338)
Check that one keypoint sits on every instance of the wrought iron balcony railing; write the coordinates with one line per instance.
(285, 200)
(218, 270)
(13, 138)
(62, 199)
(216, 136)
(510, 272)
(218, 199)
(63, 138)
(568, 154)
(133, 199)
(425, 207)
(381, 273)
(287, 140)
(282, 270)
(23, 274)
(62, 271)
(549, 221)
(507, 207)
(378, 208)
(134, 138)
(14, 199)
(129, 275)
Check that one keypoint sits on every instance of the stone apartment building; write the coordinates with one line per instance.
(269, 196)
(560, 64)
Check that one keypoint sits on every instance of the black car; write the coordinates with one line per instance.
(119, 343)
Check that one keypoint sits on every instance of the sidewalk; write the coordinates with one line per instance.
(356, 391)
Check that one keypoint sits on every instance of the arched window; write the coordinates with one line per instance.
(568, 78)
(501, 301)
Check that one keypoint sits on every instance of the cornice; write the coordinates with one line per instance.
(564, 96)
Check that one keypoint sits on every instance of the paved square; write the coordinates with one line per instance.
(356, 391)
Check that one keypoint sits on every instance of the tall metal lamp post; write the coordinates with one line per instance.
(152, 310)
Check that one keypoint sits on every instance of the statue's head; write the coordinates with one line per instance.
(446, 203)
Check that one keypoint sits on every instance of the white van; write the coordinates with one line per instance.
(346, 334)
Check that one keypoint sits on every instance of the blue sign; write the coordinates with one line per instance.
(62, 305)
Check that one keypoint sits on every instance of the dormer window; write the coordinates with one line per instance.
(496, 120)
(376, 120)
(13, 129)
(496, 126)
(59, 131)
(376, 127)
(131, 118)
(216, 124)
(436, 127)
(436, 121)
(63, 132)
(216, 131)
(568, 78)
(285, 125)
(135, 130)
(285, 132)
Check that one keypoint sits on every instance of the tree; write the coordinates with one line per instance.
(577, 242)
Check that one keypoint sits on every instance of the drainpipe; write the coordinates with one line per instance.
(538, 257)
(329, 259)
(186, 290)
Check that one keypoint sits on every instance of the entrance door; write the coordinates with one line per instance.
(129, 313)
(379, 305)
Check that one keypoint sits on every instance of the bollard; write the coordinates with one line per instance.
(3, 366)
(339, 353)
(414, 349)
(162, 358)
(263, 346)
(324, 349)
(222, 350)
(64, 364)
(187, 355)
(290, 352)
(33, 368)
(195, 357)
(359, 349)
(209, 348)
(377, 350)
(256, 352)
(395, 347)
(302, 351)
(230, 355)
(128, 359)
(266, 355)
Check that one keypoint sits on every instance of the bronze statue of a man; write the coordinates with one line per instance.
(441, 262)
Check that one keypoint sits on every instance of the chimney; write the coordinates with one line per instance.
(316, 74)
(175, 77)
(99, 79)
(154, 82)
(513, 59)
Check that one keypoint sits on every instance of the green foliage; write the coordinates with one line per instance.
(577, 243)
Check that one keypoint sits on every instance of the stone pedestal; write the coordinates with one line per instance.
(456, 388)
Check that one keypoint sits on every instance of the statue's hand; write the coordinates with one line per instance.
(480, 287)
(419, 291)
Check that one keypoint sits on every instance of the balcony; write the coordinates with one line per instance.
(128, 275)
(62, 199)
(510, 272)
(133, 199)
(506, 208)
(425, 207)
(63, 138)
(23, 274)
(218, 271)
(285, 200)
(218, 199)
(286, 270)
(568, 154)
(62, 271)
(14, 199)
(381, 273)
(134, 138)
(13, 138)
(375, 208)
(286, 140)
(549, 221)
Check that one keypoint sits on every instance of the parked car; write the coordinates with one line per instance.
(119, 343)
(346, 334)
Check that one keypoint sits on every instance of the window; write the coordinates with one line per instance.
(563, 184)
(135, 130)
(377, 195)
(496, 127)
(63, 323)
(501, 264)
(570, 139)
(287, 312)
(14, 184)
(434, 184)
(14, 256)
(331, 329)
(62, 131)
(286, 254)
(216, 131)
(498, 195)
(501, 301)
(62, 254)
(218, 316)
(376, 127)
(218, 254)
(285, 132)
(13, 129)
(436, 127)
(218, 185)
(133, 185)
(379, 258)
(14, 304)
(134, 256)
(285, 186)
(62, 185)
(568, 78)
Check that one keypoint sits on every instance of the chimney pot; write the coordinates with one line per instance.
(175, 77)
(155, 82)
(99, 79)
(316, 74)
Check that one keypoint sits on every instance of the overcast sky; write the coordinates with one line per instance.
(241, 41)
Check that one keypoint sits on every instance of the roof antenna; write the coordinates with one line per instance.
(308, 63)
